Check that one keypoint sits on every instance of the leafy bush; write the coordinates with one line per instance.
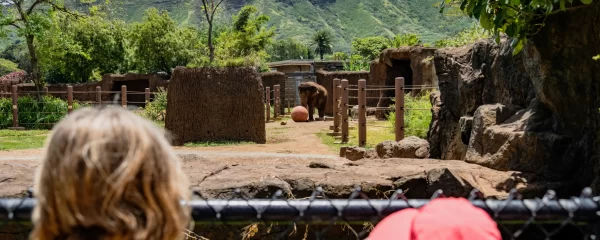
(370, 47)
(416, 117)
(340, 56)
(465, 37)
(402, 40)
(357, 63)
(35, 114)
(157, 109)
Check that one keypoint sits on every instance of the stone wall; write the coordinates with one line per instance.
(215, 104)
(325, 79)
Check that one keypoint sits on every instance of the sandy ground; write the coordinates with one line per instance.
(292, 138)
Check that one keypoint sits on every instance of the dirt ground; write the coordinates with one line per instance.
(291, 138)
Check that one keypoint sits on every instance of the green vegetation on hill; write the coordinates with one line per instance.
(300, 19)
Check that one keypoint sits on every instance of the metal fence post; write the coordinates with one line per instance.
(69, 99)
(15, 107)
(344, 110)
(147, 94)
(362, 113)
(399, 128)
(124, 96)
(268, 102)
(99, 96)
(277, 107)
(336, 105)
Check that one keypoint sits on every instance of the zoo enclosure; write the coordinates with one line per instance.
(341, 107)
(126, 99)
(516, 218)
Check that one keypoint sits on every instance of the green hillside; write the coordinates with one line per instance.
(299, 19)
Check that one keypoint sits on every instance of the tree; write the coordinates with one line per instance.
(322, 42)
(210, 7)
(246, 41)
(81, 49)
(288, 49)
(157, 44)
(29, 18)
(370, 47)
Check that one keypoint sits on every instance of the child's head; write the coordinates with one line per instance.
(109, 174)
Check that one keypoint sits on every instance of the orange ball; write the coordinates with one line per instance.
(299, 114)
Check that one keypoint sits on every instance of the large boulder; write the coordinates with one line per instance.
(523, 142)
(412, 147)
(486, 116)
(353, 153)
(386, 149)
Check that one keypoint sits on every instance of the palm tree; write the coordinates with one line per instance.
(322, 42)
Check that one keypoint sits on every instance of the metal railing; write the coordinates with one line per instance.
(516, 218)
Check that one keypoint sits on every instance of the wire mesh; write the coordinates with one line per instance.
(319, 217)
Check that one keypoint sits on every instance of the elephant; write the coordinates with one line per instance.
(313, 95)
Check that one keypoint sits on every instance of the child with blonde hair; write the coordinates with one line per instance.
(109, 174)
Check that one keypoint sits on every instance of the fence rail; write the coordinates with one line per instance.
(341, 107)
(120, 98)
(527, 218)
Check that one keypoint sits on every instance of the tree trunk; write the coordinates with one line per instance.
(211, 48)
(567, 81)
(35, 68)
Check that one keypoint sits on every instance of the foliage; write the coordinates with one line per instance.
(402, 40)
(465, 37)
(340, 56)
(370, 47)
(7, 67)
(157, 109)
(357, 63)
(34, 113)
(322, 42)
(210, 7)
(245, 42)
(417, 116)
(288, 49)
(597, 58)
(157, 44)
(79, 49)
(518, 19)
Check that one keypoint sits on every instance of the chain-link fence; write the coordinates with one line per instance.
(319, 217)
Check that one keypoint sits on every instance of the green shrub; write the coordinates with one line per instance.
(7, 67)
(157, 109)
(402, 40)
(417, 115)
(35, 114)
(357, 63)
(465, 37)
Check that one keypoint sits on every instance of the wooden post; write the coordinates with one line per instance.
(362, 113)
(336, 105)
(15, 107)
(399, 109)
(268, 102)
(99, 96)
(69, 99)
(344, 110)
(277, 107)
(124, 96)
(147, 91)
(289, 109)
(46, 91)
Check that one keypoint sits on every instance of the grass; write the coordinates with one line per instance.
(13, 140)
(377, 131)
(216, 144)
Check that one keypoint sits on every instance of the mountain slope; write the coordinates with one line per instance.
(299, 19)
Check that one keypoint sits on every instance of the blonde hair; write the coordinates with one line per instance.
(109, 174)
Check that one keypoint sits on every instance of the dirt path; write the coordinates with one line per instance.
(293, 138)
